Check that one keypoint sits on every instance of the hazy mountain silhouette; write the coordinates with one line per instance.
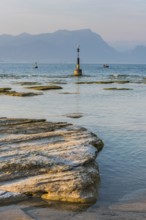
(137, 55)
(61, 45)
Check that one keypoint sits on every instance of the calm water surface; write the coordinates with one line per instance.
(117, 117)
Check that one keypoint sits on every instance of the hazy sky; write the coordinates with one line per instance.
(114, 20)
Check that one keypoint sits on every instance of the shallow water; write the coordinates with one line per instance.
(117, 117)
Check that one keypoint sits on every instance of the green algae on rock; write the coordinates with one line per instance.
(58, 82)
(122, 81)
(92, 82)
(114, 88)
(27, 83)
(52, 160)
(105, 82)
(4, 89)
(48, 87)
(69, 93)
(19, 94)
(96, 82)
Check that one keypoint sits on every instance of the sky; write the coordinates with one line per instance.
(114, 20)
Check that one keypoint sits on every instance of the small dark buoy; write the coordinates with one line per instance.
(78, 70)
(105, 65)
(35, 65)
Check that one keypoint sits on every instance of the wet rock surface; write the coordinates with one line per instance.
(9, 197)
(4, 89)
(15, 213)
(40, 211)
(8, 91)
(48, 87)
(114, 88)
(105, 82)
(27, 83)
(55, 161)
(74, 115)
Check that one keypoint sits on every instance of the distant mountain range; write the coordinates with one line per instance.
(61, 45)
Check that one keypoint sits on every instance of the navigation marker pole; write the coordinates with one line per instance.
(78, 71)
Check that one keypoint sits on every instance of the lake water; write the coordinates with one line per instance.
(117, 117)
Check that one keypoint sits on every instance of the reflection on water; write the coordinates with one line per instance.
(117, 117)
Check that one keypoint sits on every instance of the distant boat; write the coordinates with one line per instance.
(35, 65)
(105, 65)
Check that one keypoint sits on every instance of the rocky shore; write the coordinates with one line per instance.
(42, 162)
(53, 161)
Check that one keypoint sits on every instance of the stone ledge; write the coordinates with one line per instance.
(55, 161)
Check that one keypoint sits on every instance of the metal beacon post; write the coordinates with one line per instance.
(78, 71)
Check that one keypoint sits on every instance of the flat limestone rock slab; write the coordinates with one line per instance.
(48, 87)
(8, 197)
(14, 214)
(52, 160)
(131, 206)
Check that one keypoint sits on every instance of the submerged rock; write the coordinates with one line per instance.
(28, 83)
(96, 82)
(105, 82)
(90, 82)
(14, 213)
(49, 87)
(69, 93)
(55, 161)
(20, 94)
(114, 88)
(4, 89)
(74, 115)
(58, 82)
(122, 81)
